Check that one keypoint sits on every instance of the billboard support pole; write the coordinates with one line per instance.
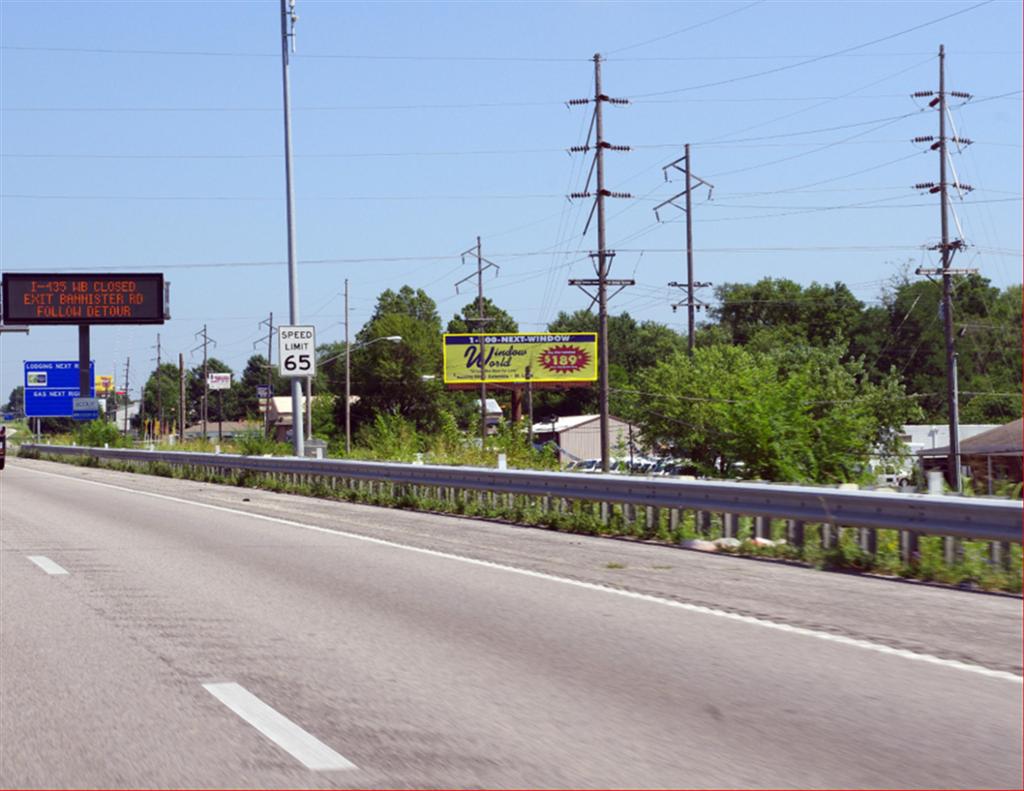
(83, 361)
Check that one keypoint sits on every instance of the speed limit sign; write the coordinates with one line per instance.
(297, 344)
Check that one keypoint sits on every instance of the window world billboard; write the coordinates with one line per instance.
(539, 357)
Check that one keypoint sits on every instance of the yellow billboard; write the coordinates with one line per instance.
(104, 385)
(516, 358)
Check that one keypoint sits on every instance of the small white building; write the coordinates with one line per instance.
(579, 436)
(928, 436)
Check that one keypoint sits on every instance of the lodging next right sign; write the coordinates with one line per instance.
(514, 359)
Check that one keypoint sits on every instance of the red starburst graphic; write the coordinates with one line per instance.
(564, 359)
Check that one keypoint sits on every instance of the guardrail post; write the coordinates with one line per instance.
(729, 525)
(869, 540)
(909, 546)
(605, 510)
(952, 550)
(829, 535)
(762, 527)
(999, 554)
(702, 522)
(650, 521)
(795, 532)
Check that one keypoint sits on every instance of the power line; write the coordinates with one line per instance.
(304, 56)
(688, 28)
(817, 58)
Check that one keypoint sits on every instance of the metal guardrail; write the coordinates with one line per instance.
(968, 518)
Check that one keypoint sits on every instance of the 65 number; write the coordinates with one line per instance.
(298, 362)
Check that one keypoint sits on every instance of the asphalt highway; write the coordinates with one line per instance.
(164, 633)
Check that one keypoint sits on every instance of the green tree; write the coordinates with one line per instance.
(804, 414)
(820, 314)
(194, 390)
(987, 325)
(161, 391)
(500, 321)
(632, 347)
(388, 377)
(256, 374)
(16, 401)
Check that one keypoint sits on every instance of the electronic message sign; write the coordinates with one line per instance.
(42, 298)
(550, 357)
(51, 387)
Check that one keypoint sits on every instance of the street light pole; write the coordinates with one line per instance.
(288, 19)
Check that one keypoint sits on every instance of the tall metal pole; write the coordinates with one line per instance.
(288, 16)
(947, 292)
(690, 306)
(348, 380)
(602, 272)
(481, 328)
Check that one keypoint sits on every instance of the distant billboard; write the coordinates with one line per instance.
(104, 385)
(218, 381)
(47, 298)
(541, 357)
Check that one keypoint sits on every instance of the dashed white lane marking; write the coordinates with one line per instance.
(853, 642)
(47, 565)
(300, 744)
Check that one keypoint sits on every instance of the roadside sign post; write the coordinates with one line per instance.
(219, 382)
(297, 359)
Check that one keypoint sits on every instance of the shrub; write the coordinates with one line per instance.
(98, 433)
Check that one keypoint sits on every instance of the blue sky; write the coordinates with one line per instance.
(147, 136)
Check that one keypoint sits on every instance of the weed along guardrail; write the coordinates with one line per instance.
(949, 538)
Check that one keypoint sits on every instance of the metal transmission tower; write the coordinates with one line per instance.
(159, 393)
(947, 249)
(482, 264)
(603, 255)
(288, 20)
(691, 302)
(207, 340)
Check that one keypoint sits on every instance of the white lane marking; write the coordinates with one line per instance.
(301, 744)
(47, 565)
(867, 645)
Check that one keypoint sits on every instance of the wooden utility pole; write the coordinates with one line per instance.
(603, 255)
(946, 250)
(348, 381)
(127, 366)
(182, 416)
